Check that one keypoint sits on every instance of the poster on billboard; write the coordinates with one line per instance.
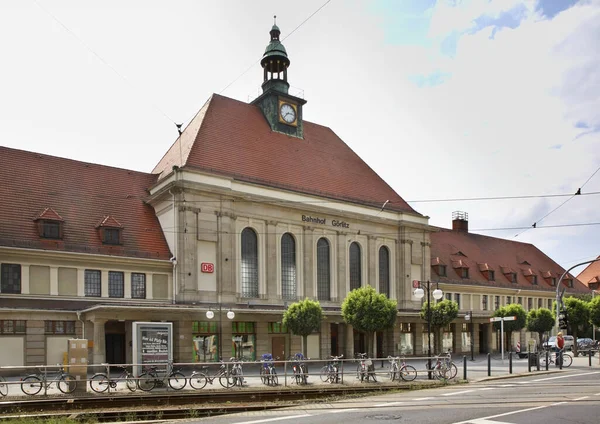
(152, 343)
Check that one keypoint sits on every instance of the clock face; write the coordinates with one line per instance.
(288, 113)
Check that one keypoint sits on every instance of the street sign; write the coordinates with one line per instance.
(416, 284)
(496, 319)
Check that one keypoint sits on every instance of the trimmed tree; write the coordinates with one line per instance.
(594, 311)
(540, 321)
(516, 310)
(442, 314)
(302, 318)
(578, 316)
(368, 311)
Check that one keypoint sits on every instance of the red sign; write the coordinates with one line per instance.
(207, 267)
(416, 284)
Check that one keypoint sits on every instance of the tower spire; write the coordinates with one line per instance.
(275, 62)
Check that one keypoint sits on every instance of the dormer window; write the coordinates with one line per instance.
(513, 277)
(534, 280)
(568, 282)
(491, 275)
(439, 267)
(461, 268)
(50, 224)
(111, 231)
(441, 270)
(464, 273)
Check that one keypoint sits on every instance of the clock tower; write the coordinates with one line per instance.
(282, 110)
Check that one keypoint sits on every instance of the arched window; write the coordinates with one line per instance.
(355, 266)
(323, 270)
(288, 267)
(249, 263)
(384, 271)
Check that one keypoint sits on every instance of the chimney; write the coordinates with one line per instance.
(460, 221)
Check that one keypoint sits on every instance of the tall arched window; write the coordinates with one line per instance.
(355, 266)
(384, 271)
(288, 267)
(323, 270)
(249, 263)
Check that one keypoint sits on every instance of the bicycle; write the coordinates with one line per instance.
(150, 378)
(3, 387)
(404, 371)
(547, 357)
(237, 373)
(100, 382)
(444, 368)
(198, 379)
(331, 372)
(268, 374)
(365, 369)
(33, 383)
(299, 369)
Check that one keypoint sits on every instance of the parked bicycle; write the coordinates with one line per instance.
(3, 387)
(331, 371)
(550, 358)
(237, 373)
(151, 378)
(100, 382)
(299, 369)
(33, 383)
(401, 371)
(444, 368)
(199, 379)
(365, 369)
(268, 374)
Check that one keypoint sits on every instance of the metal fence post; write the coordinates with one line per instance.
(510, 362)
(465, 367)
(547, 359)
(590, 355)
(528, 361)
(489, 364)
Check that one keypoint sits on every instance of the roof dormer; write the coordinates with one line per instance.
(530, 276)
(487, 272)
(439, 267)
(110, 231)
(549, 277)
(461, 268)
(50, 224)
(510, 274)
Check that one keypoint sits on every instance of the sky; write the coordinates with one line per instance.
(444, 99)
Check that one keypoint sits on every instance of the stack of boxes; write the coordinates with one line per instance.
(77, 354)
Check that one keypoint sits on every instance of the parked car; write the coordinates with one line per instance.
(551, 343)
(585, 345)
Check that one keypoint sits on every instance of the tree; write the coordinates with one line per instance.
(368, 311)
(513, 309)
(302, 318)
(442, 314)
(594, 311)
(579, 316)
(539, 321)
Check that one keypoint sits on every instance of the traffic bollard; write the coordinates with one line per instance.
(489, 364)
(528, 361)
(590, 355)
(510, 362)
(465, 367)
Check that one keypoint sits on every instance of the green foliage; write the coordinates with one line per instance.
(303, 317)
(594, 311)
(514, 309)
(442, 313)
(369, 311)
(540, 321)
(578, 313)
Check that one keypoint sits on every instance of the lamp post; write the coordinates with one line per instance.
(469, 317)
(437, 295)
(230, 315)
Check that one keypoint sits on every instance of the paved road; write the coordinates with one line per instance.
(567, 396)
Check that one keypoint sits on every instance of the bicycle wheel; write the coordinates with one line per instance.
(3, 387)
(31, 385)
(99, 383)
(226, 381)
(177, 380)
(130, 383)
(263, 375)
(324, 374)
(393, 373)
(66, 383)
(452, 371)
(544, 360)
(146, 382)
(567, 360)
(274, 381)
(408, 373)
(238, 376)
(198, 380)
(334, 377)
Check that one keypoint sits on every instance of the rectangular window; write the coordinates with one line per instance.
(242, 327)
(553, 281)
(405, 327)
(491, 275)
(529, 303)
(539, 303)
(138, 285)
(464, 273)
(448, 296)
(457, 299)
(11, 278)
(496, 303)
(111, 235)
(116, 286)
(51, 229)
(277, 328)
(534, 280)
(484, 302)
(550, 304)
(59, 327)
(12, 326)
(442, 270)
(508, 300)
(92, 283)
(204, 327)
(513, 278)
(520, 300)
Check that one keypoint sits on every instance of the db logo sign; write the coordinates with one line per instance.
(207, 267)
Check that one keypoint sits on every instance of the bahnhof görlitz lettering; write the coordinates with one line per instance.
(323, 221)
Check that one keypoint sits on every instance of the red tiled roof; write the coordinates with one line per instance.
(233, 138)
(591, 274)
(500, 255)
(109, 221)
(49, 214)
(82, 194)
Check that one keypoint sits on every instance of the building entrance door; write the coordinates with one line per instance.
(278, 347)
(115, 348)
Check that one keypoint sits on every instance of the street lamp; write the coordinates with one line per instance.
(437, 295)
(230, 315)
(469, 317)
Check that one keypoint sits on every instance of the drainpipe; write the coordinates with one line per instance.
(82, 325)
(175, 241)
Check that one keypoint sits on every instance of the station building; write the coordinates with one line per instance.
(251, 209)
